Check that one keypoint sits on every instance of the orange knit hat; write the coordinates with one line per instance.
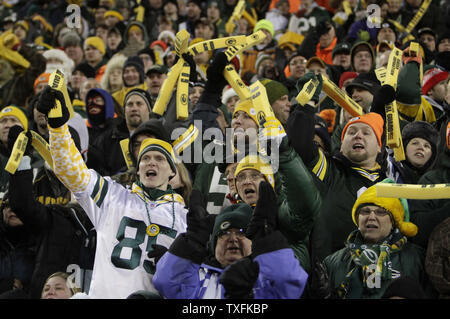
(374, 120)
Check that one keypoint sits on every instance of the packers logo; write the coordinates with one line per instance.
(230, 42)
(261, 116)
(184, 99)
(6, 110)
(225, 225)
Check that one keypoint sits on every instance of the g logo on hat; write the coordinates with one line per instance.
(225, 225)
(6, 110)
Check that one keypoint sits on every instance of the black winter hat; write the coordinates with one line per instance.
(86, 69)
(367, 81)
(148, 51)
(442, 36)
(423, 130)
(152, 126)
(136, 61)
(443, 60)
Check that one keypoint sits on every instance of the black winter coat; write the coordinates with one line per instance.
(64, 233)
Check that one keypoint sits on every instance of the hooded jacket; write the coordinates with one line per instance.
(95, 130)
(126, 39)
(105, 154)
(427, 214)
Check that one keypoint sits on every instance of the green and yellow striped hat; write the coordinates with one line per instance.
(154, 144)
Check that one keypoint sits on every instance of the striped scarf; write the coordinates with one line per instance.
(372, 262)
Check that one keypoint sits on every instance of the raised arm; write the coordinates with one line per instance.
(68, 163)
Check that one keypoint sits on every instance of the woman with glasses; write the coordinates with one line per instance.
(376, 253)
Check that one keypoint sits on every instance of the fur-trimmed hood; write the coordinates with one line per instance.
(117, 61)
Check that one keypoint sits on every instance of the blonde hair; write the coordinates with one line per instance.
(70, 283)
(186, 180)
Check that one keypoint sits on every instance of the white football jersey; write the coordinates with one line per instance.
(120, 218)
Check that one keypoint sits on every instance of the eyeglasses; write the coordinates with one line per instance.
(226, 234)
(380, 212)
(252, 177)
(301, 62)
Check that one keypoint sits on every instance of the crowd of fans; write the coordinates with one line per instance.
(126, 208)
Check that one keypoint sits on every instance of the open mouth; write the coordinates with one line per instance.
(358, 146)
(151, 173)
(371, 226)
(233, 249)
(419, 155)
(249, 191)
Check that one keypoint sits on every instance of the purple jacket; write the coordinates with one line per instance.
(280, 277)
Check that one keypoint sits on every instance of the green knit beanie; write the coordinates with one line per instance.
(274, 89)
(234, 216)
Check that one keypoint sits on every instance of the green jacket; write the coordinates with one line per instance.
(409, 261)
(427, 214)
(299, 204)
(340, 183)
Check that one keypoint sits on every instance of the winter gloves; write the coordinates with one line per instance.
(239, 278)
(305, 78)
(264, 218)
(199, 222)
(13, 134)
(47, 101)
(216, 80)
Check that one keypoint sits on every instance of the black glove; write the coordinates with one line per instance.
(264, 218)
(305, 78)
(199, 222)
(13, 134)
(47, 101)
(157, 252)
(320, 283)
(216, 80)
(239, 279)
(385, 95)
(187, 57)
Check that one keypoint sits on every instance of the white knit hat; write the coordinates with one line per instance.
(227, 94)
(67, 65)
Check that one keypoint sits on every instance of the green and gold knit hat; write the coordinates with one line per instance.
(154, 144)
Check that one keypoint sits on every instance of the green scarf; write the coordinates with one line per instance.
(154, 193)
(371, 261)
